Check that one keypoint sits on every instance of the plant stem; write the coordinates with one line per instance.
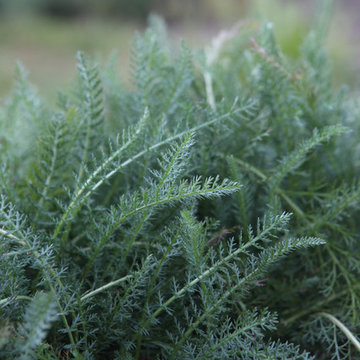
(343, 328)
(18, 297)
(104, 287)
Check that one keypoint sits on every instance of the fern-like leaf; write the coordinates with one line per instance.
(39, 316)
(92, 107)
(292, 161)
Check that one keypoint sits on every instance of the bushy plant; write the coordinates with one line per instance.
(160, 222)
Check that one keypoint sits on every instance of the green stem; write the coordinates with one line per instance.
(16, 298)
(48, 179)
(104, 287)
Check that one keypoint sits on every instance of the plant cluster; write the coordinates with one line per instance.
(208, 212)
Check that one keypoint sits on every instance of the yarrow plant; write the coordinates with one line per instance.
(208, 212)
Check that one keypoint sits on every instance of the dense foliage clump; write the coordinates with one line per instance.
(161, 221)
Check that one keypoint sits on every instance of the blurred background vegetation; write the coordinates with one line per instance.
(45, 34)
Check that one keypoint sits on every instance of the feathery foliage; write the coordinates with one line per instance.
(209, 212)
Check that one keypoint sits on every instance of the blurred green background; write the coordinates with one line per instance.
(45, 34)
